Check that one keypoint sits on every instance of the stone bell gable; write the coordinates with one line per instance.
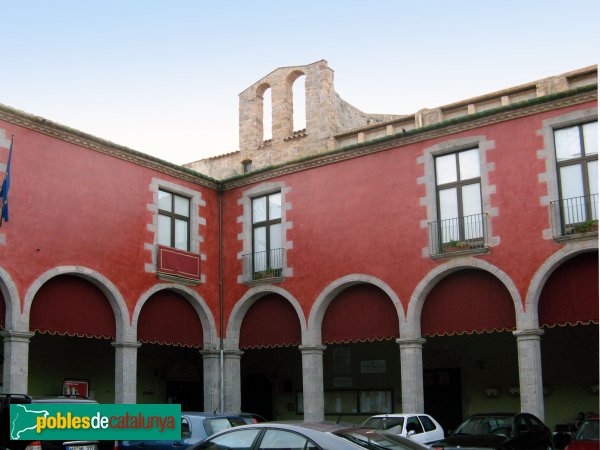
(326, 115)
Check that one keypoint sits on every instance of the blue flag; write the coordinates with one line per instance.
(6, 187)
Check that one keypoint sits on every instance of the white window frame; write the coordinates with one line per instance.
(430, 201)
(548, 154)
(246, 219)
(196, 223)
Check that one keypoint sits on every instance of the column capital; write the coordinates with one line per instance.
(22, 336)
(133, 344)
(416, 342)
(534, 334)
(317, 349)
(210, 352)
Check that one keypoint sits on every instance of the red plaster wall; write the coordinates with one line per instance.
(71, 206)
(363, 216)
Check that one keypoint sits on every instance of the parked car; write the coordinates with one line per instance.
(506, 431)
(587, 437)
(306, 436)
(12, 399)
(195, 427)
(419, 427)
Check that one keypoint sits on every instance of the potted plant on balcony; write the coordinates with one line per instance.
(586, 227)
(266, 274)
(455, 246)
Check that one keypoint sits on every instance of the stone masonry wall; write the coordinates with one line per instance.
(333, 123)
(218, 167)
(326, 115)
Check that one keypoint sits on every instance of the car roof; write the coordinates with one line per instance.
(319, 432)
(323, 433)
(400, 415)
(209, 414)
(325, 426)
(62, 399)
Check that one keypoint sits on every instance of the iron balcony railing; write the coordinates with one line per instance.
(263, 265)
(574, 216)
(458, 234)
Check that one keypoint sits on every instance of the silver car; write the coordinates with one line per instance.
(305, 436)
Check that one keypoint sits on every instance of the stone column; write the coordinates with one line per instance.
(232, 381)
(312, 382)
(411, 374)
(211, 364)
(530, 371)
(281, 99)
(16, 361)
(125, 371)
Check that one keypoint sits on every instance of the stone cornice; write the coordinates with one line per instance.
(58, 131)
(419, 135)
(88, 141)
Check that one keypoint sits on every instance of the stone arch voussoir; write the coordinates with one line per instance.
(13, 321)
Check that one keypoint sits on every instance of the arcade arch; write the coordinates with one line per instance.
(79, 311)
(172, 323)
(266, 328)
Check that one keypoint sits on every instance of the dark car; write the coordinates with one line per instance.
(12, 399)
(195, 427)
(306, 436)
(587, 437)
(506, 431)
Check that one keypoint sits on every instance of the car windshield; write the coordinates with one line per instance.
(589, 431)
(392, 424)
(377, 440)
(481, 425)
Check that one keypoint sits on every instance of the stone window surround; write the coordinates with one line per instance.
(430, 199)
(246, 220)
(172, 215)
(548, 153)
(196, 220)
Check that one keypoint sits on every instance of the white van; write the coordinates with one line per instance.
(420, 428)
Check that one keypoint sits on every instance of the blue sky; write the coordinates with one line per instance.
(163, 77)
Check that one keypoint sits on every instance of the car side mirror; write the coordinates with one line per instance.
(410, 432)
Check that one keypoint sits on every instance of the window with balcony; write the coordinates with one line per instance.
(173, 220)
(576, 150)
(460, 224)
(267, 255)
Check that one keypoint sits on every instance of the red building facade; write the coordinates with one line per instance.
(451, 267)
